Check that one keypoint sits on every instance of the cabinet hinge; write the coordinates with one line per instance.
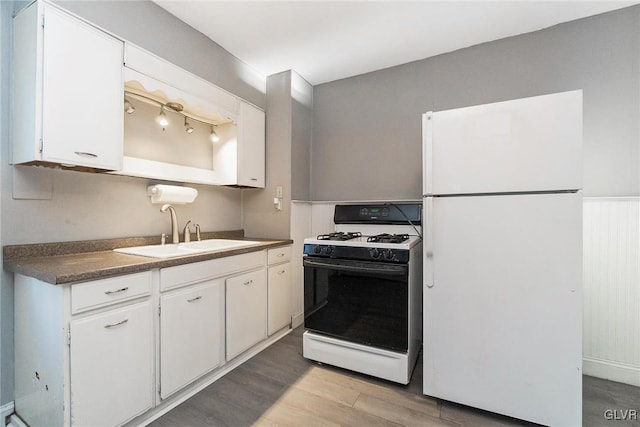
(159, 310)
(41, 145)
(69, 338)
(42, 21)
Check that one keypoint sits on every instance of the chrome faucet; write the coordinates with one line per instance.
(175, 236)
(198, 232)
(187, 232)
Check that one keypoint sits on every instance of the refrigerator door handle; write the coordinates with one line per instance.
(428, 230)
(427, 153)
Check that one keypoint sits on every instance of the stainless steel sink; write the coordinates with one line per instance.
(184, 249)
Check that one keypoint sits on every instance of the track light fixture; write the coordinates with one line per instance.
(172, 107)
(128, 107)
(162, 118)
(213, 136)
(187, 127)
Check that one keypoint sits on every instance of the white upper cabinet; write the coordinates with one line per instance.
(235, 157)
(239, 159)
(71, 81)
(67, 103)
(251, 146)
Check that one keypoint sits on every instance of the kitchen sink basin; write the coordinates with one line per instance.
(216, 244)
(183, 249)
(157, 251)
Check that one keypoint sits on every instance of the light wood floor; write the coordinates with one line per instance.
(278, 387)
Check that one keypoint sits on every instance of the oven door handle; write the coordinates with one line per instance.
(390, 269)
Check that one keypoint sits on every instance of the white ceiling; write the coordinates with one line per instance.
(329, 40)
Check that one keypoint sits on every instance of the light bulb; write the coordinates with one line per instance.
(213, 136)
(128, 107)
(187, 127)
(162, 118)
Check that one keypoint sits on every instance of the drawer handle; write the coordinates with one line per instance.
(281, 272)
(248, 282)
(113, 325)
(254, 179)
(86, 154)
(195, 299)
(280, 255)
(117, 291)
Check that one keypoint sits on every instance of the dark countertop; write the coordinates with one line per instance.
(66, 262)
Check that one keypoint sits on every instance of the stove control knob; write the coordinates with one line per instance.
(388, 254)
(375, 253)
(317, 249)
(329, 250)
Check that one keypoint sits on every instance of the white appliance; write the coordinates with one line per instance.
(503, 257)
(362, 291)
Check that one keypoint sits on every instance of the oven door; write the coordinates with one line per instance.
(358, 301)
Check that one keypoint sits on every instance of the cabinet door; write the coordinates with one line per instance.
(246, 311)
(251, 146)
(279, 297)
(112, 366)
(82, 101)
(191, 331)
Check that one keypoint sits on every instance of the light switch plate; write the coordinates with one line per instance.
(279, 191)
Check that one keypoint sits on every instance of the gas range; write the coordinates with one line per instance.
(363, 247)
(362, 288)
(370, 232)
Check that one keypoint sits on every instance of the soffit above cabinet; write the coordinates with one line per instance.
(156, 74)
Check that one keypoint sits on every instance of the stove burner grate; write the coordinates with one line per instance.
(388, 238)
(340, 236)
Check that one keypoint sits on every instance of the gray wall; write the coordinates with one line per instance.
(6, 292)
(261, 219)
(80, 206)
(301, 135)
(289, 114)
(363, 122)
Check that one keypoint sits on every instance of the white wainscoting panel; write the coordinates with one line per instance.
(322, 217)
(300, 229)
(611, 324)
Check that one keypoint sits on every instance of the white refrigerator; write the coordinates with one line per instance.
(503, 257)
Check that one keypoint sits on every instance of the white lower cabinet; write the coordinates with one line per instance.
(279, 289)
(279, 297)
(112, 366)
(246, 311)
(191, 334)
(91, 363)
(103, 352)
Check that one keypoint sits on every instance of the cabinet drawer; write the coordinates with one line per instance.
(90, 295)
(191, 273)
(281, 254)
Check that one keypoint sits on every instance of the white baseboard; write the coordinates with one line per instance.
(16, 421)
(297, 320)
(611, 371)
(6, 410)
